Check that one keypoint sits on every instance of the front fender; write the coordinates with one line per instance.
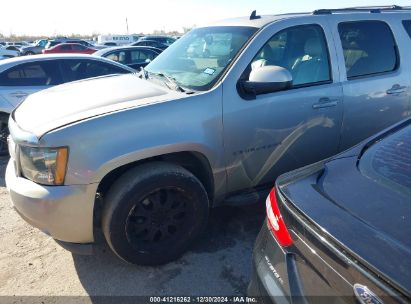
(104, 143)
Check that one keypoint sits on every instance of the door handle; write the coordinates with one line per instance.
(19, 94)
(325, 103)
(396, 89)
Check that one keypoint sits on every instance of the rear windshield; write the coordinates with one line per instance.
(388, 162)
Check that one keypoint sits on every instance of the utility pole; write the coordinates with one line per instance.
(127, 25)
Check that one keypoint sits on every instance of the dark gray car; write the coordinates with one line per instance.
(134, 57)
(339, 229)
(34, 49)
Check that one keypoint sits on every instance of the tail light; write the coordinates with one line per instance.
(275, 221)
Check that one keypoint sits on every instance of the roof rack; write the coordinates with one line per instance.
(368, 9)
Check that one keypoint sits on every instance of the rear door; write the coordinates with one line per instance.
(374, 76)
(18, 82)
(280, 131)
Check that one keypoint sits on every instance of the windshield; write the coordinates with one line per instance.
(198, 59)
(388, 162)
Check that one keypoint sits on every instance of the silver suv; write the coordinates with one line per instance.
(147, 155)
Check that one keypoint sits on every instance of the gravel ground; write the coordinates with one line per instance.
(32, 264)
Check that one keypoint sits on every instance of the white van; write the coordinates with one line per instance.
(116, 39)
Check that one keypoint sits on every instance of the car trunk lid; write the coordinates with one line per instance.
(370, 226)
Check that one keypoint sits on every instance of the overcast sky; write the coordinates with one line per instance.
(50, 17)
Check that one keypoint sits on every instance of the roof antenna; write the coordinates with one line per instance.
(254, 16)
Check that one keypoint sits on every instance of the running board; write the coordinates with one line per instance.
(249, 197)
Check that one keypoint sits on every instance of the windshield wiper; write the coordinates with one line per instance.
(169, 79)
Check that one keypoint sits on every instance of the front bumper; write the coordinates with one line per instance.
(63, 212)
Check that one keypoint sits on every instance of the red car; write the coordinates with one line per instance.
(69, 48)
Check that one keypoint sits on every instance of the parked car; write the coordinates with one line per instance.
(14, 48)
(160, 148)
(22, 76)
(8, 53)
(133, 56)
(55, 42)
(109, 44)
(150, 43)
(345, 221)
(167, 40)
(34, 49)
(18, 44)
(73, 48)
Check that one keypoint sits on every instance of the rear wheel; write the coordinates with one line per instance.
(29, 53)
(153, 213)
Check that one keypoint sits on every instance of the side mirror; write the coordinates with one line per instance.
(267, 79)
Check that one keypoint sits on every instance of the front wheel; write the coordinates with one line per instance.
(153, 212)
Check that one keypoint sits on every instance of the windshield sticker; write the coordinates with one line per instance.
(209, 71)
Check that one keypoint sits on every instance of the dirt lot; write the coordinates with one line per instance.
(32, 264)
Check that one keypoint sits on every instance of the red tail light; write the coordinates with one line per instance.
(275, 221)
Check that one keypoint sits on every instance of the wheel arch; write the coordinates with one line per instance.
(195, 162)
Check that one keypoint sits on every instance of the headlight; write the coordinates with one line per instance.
(45, 166)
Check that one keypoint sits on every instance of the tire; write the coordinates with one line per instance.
(153, 213)
(29, 53)
(4, 133)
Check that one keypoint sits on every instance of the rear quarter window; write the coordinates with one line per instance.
(407, 26)
(388, 162)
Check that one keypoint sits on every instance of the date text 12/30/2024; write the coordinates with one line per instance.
(236, 299)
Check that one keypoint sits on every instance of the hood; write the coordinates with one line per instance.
(61, 105)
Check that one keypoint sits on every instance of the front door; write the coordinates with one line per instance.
(281, 131)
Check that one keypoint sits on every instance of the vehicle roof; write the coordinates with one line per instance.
(68, 43)
(263, 20)
(7, 63)
(257, 23)
(125, 47)
(66, 39)
(156, 36)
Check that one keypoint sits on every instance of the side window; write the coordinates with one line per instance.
(137, 56)
(95, 68)
(369, 48)
(46, 73)
(149, 55)
(78, 47)
(302, 50)
(118, 57)
(407, 26)
(65, 47)
(72, 69)
(141, 56)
